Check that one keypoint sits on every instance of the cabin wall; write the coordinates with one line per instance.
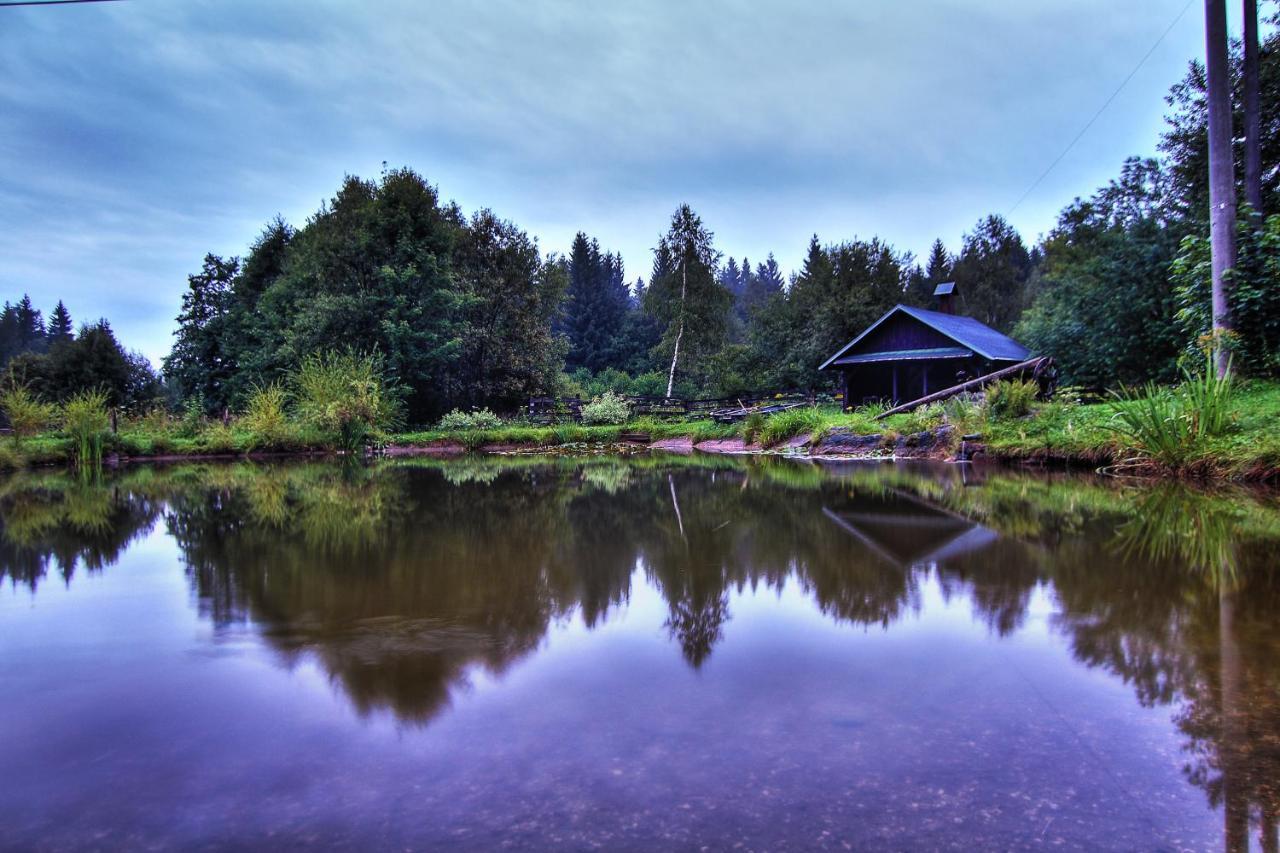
(900, 332)
(871, 383)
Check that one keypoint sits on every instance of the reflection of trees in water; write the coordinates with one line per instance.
(59, 522)
(398, 580)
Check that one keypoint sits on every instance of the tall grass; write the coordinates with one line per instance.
(1172, 426)
(85, 421)
(805, 420)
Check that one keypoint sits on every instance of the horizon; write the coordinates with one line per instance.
(139, 138)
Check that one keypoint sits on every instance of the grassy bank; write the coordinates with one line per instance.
(1060, 431)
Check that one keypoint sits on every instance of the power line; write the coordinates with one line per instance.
(1102, 109)
(50, 2)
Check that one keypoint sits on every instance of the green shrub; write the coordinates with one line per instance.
(27, 414)
(192, 420)
(85, 421)
(265, 415)
(459, 421)
(346, 397)
(1010, 398)
(608, 408)
(752, 427)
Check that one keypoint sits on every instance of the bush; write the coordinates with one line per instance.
(84, 419)
(752, 427)
(346, 397)
(265, 415)
(27, 414)
(1010, 398)
(460, 421)
(608, 408)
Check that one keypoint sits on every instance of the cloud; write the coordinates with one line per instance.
(136, 136)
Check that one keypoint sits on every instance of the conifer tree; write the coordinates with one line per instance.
(60, 328)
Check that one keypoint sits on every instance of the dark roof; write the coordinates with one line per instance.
(907, 355)
(945, 289)
(966, 331)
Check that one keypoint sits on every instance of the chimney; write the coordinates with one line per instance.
(946, 294)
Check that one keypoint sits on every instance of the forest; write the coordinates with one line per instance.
(461, 312)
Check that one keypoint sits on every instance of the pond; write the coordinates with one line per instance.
(653, 653)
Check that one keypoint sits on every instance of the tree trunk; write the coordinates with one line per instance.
(675, 352)
(1222, 190)
(1252, 112)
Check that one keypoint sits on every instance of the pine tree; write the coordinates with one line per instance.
(60, 329)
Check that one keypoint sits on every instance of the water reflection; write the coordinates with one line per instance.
(404, 580)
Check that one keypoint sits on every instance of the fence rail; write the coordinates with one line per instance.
(547, 410)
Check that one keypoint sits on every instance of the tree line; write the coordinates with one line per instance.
(55, 361)
(467, 311)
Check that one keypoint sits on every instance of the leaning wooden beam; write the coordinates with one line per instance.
(1021, 367)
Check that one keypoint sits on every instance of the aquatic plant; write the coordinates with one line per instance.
(85, 420)
(1172, 426)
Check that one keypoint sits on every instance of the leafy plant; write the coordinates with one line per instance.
(608, 408)
(27, 414)
(1010, 398)
(345, 395)
(85, 420)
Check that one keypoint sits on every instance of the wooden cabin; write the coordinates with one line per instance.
(911, 352)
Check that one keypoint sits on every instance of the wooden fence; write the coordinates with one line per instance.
(546, 410)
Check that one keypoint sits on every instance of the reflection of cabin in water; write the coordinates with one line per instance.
(910, 353)
(908, 531)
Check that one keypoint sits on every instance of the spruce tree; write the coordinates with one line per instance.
(60, 329)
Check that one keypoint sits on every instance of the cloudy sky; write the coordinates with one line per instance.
(135, 136)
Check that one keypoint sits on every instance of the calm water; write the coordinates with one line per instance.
(660, 654)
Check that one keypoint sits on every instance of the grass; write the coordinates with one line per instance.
(1055, 431)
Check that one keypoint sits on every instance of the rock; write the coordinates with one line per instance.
(844, 440)
(674, 445)
(727, 445)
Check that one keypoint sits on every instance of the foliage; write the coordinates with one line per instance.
(1010, 398)
(346, 396)
(265, 414)
(608, 408)
(480, 419)
(1103, 306)
(596, 306)
(26, 413)
(686, 298)
(1253, 294)
(85, 421)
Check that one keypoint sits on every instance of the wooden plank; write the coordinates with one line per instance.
(1033, 364)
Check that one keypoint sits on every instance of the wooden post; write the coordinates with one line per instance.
(895, 382)
(925, 379)
(1222, 187)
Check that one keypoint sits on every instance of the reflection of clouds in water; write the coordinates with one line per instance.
(406, 583)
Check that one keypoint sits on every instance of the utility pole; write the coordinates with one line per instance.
(1222, 183)
(1252, 114)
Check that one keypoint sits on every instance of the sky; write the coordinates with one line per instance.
(136, 136)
